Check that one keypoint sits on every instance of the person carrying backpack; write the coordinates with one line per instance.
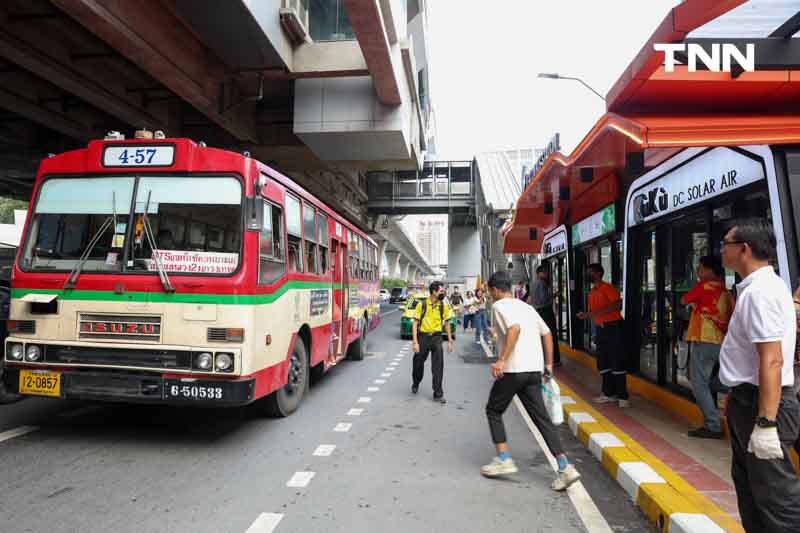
(432, 317)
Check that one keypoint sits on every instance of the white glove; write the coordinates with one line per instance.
(764, 442)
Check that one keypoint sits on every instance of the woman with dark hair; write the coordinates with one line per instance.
(481, 322)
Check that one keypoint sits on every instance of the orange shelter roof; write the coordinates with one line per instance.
(658, 113)
(544, 204)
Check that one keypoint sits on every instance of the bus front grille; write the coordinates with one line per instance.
(117, 357)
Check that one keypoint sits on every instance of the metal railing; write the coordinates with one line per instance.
(438, 180)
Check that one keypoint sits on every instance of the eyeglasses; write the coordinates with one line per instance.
(723, 243)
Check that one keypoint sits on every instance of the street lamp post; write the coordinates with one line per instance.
(556, 76)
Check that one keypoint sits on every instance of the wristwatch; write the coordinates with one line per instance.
(764, 422)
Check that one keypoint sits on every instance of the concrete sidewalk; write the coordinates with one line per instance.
(697, 469)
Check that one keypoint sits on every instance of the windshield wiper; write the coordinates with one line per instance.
(76, 271)
(148, 233)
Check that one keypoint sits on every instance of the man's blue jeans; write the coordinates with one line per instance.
(705, 356)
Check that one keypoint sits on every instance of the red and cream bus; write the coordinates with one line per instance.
(163, 271)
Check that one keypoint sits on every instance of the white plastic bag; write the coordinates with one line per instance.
(551, 394)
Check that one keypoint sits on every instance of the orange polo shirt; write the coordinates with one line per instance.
(601, 296)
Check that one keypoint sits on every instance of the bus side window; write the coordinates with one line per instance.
(322, 225)
(294, 228)
(271, 265)
(310, 229)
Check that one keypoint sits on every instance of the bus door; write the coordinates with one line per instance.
(339, 290)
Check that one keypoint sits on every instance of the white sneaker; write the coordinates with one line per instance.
(624, 404)
(565, 478)
(604, 399)
(498, 467)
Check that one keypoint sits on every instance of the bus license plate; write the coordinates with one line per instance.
(177, 390)
(40, 382)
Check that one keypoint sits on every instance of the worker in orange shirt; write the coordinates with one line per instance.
(605, 304)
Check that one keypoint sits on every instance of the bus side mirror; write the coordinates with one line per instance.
(254, 212)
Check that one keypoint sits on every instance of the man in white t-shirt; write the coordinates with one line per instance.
(756, 361)
(525, 347)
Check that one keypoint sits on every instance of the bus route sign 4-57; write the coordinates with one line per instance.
(139, 155)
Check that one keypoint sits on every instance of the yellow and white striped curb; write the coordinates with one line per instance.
(666, 498)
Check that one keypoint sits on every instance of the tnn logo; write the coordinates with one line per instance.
(719, 60)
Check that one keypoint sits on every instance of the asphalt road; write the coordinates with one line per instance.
(403, 464)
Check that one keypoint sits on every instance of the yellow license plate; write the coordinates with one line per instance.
(40, 382)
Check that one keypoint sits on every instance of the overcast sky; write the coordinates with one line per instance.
(486, 55)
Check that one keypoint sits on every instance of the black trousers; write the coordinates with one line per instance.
(768, 490)
(549, 318)
(611, 360)
(429, 343)
(526, 385)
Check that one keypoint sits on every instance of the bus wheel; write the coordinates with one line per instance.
(358, 349)
(286, 400)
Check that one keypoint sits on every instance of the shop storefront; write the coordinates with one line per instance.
(674, 215)
(555, 257)
(595, 240)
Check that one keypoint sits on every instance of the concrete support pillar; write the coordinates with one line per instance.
(464, 252)
(404, 264)
(382, 245)
(412, 273)
(393, 259)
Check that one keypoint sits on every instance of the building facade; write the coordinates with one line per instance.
(431, 237)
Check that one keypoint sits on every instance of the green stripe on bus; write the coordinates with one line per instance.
(164, 297)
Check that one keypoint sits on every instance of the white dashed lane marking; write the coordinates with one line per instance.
(364, 399)
(265, 523)
(343, 427)
(386, 375)
(324, 450)
(355, 412)
(380, 381)
(17, 432)
(300, 479)
(373, 389)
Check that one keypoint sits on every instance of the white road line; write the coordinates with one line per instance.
(324, 450)
(390, 312)
(380, 381)
(393, 364)
(343, 427)
(300, 479)
(373, 389)
(364, 399)
(386, 375)
(389, 369)
(355, 412)
(583, 503)
(17, 432)
(265, 523)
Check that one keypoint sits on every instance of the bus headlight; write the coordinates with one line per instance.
(224, 362)
(204, 361)
(15, 352)
(33, 353)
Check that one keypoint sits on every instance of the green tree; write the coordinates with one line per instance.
(391, 283)
(7, 207)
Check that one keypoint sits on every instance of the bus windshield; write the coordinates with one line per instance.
(195, 223)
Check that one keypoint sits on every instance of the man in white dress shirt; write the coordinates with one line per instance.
(756, 362)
